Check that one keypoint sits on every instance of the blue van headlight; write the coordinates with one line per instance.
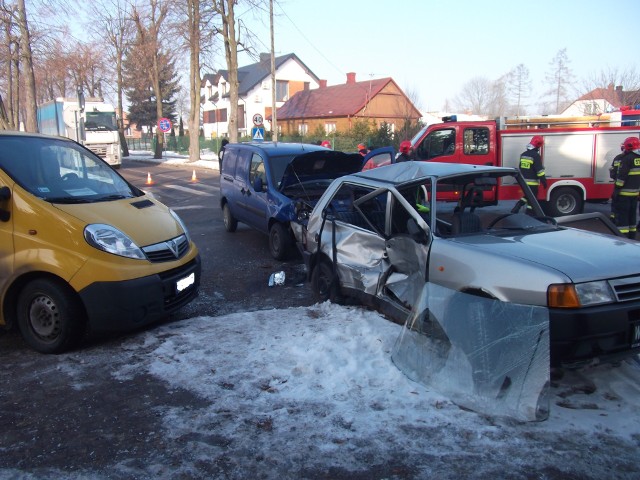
(111, 240)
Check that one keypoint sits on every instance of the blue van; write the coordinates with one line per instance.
(261, 183)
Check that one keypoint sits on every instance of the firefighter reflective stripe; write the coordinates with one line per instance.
(541, 173)
(628, 177)
(526, 162)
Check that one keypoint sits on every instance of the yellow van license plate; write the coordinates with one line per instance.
(186, 282)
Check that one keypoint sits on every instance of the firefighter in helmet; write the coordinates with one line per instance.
(613, 174)
(627, 187)
(405, 150)
(532, 170)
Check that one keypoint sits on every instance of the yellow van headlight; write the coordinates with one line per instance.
(111, 240)
(182, 225)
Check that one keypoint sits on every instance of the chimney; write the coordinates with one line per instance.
(323, 84)
(265, 57)
(351, 78)
(619, 88)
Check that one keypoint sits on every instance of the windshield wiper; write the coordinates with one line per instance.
(115, 196)
(68, 200)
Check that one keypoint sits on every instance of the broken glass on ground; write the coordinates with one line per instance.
(486, 355)
(276, 278)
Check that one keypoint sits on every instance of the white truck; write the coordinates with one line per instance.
(94, 126)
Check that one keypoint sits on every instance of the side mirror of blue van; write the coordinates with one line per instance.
(258, 185)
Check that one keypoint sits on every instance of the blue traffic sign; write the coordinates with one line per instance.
(257, 133)
(164, 124)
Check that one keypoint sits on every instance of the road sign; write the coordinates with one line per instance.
(257, 133)
(258, 120)
(164, 124)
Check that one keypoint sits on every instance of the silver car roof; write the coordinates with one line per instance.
(405, 172)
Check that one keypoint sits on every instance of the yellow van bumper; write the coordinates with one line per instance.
(128, 304)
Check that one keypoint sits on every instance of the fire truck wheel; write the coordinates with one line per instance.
(565, 201)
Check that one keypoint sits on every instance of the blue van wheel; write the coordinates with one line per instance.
(230, 222)
(280, 241)
(50, 317)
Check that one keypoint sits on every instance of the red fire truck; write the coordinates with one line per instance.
(577, 152)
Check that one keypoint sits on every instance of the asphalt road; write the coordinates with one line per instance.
(235, 266)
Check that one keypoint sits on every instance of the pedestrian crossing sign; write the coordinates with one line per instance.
(257, 133)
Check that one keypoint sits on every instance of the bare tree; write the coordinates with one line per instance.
(194, 30)
(225, 8)
(113, 22)
(476, 96)
(519, 85)
(559, 78)
(10, 58)
(149, 31)
(26, 60)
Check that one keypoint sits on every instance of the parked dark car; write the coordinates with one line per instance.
(260, 183)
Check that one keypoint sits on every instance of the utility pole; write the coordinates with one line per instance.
(274, 122)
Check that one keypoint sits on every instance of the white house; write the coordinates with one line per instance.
(603, 100)
(254, 92)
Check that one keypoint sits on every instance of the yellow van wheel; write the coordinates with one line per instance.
(50, 316)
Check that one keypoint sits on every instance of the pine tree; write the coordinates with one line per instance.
(139, 91)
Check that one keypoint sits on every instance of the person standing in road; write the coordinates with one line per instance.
(532, 170)
(224, 143)
(627, 187)
(405, 149)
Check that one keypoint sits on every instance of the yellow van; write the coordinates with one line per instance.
(81, 248)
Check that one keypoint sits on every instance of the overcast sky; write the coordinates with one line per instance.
(433, 47)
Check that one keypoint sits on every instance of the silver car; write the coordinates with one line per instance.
(378, 236)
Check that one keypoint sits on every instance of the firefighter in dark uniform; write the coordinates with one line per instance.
(627, 187)
(613, 174)
(405, 152)
(532, 170)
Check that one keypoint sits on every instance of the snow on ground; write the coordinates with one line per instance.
(311, 392)
(314, 390)
(207, 159)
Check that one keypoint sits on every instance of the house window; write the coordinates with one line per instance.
(221, 115)
(330, 127)
(209, 91)
(224, 88)
(303, 128)
(282, 90)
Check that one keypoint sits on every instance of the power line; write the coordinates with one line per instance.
(309, 41)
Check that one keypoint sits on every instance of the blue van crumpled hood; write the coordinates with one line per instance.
(580, 255)
(320, 165)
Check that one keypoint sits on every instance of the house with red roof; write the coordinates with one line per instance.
(338, 107)
(604, 100)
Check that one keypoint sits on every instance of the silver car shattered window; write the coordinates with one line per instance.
(486, 355)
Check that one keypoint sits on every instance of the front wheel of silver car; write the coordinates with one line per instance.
(50, 316)
(324, 283)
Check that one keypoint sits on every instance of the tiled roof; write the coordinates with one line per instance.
(251, 75)
(335, 101)
(615, 97)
